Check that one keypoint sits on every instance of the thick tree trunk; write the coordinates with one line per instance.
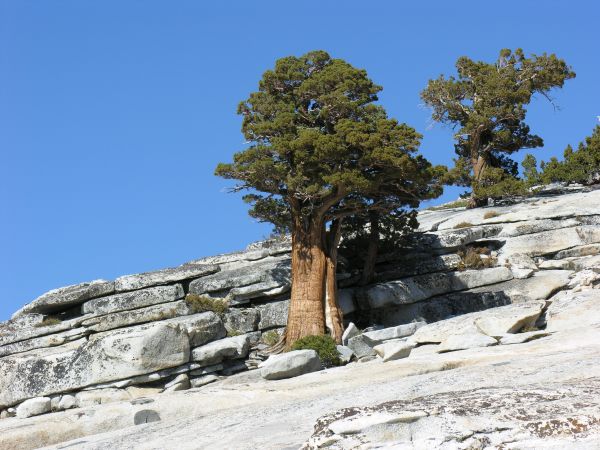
(479, 164)
(368, 272)
(334, 315)
(306, 314)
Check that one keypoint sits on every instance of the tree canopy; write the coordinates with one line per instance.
(320, 150)
(486, 104)
(317, 138)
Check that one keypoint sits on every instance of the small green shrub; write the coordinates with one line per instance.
(495, 183)
(462, 225)
(324, 345)
(270, 338)
(48, 321)
(491, 214)
(202, 303)
(471, 258)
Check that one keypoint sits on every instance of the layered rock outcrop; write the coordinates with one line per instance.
(109, 341)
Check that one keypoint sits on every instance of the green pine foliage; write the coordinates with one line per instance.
(320, 146)
(530, 171)
(495, 183)
(486, 104)
(394, 229)
(578, 166)
(553, 171)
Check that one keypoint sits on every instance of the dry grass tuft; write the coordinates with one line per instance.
(203, 303)
(462, 225)
(491, 214)
(476, 258)
(48, 321)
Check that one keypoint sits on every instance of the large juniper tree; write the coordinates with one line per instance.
(486, 103)
(319, 149)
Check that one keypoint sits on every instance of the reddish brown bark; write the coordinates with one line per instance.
(334, 315)
(478, 168)
(479, 163)
(306, 315)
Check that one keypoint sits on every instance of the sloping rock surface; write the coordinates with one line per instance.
(540, 394)
(59, 299)
(574, 310)
(291, 364)
(185, 272)
(442, 323)
(105, 357)
(131, 300)
(494, 322)
(426, 286)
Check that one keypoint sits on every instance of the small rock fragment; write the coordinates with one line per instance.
(67, 401)
(465, 341)
(394, 350)
(350, 331)
(346, 353)
(201, 381)
(360, 346)
(290, 364)
(520, 338)
(180, 383)
(33, 407)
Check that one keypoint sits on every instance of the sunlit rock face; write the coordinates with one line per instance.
(430, 308)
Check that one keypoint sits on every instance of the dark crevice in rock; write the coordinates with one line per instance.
(438, 308)
(185, 284)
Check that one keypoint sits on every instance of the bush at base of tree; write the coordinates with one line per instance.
(497, 184)
(324, 345)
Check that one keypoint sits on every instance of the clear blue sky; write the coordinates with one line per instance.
(113, 114)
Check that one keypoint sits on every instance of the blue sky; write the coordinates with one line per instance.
(114, 114)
